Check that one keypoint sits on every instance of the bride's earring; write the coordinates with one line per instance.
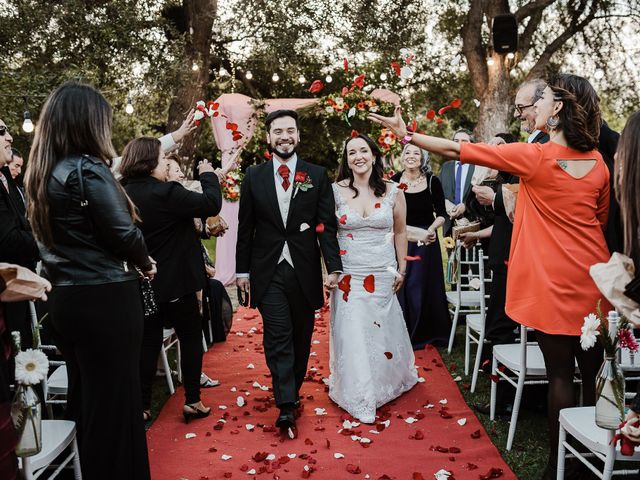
(553, 122)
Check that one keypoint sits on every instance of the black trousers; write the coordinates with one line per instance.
(500, 328)
(184, 316)
(98, 329)
(288, 326)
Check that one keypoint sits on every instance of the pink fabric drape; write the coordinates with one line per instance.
(239, 110)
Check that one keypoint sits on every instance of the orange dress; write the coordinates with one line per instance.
(557, 233)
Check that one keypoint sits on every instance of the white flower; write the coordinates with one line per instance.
(32, 367)
(442, 474)
(589, 331)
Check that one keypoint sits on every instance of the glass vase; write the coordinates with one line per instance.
(609, 394)
(26, 414)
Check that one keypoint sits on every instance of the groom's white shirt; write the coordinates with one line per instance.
(284, 198)
(284, 202)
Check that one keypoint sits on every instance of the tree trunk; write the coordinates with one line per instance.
(200, 15)
(495, 102)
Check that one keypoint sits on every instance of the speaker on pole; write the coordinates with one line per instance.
(505, 33)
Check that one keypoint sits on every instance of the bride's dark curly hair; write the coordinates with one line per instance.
(580, 117)
(376, 180)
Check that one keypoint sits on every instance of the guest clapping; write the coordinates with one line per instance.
(422, 296)
(167, 210)
(558, 232)
(90, 245)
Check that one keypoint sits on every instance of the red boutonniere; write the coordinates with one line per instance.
(301, 181)
(403, 187)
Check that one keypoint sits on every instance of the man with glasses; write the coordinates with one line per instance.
(17, 244)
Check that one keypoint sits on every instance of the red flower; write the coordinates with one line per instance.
(301, 177)
(396, 67)
(267, 155)
(370, 283)
(343, 252)
(359, 81)
(444, 109)
(316, 86)
(414, 125)
(456, 103)
(377, 205)
(431, 114)
(403, 186)
(232, 126)
(439, 120)
(343, 220)
(627, 340)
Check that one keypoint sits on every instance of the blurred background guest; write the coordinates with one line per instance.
(89, 251)
(422, 297)
(167, 210)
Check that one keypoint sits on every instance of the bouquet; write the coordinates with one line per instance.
(231, 185)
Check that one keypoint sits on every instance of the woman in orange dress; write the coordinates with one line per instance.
(561, 211)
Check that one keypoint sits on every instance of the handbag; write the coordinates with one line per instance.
(148, 297)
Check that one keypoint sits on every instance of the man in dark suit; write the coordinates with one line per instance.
(286, 209)
(17, 244)
(607, 147)
(456, 182)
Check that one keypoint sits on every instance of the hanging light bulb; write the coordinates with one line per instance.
(301, 79)
(195, 67)
(27, 125)
(490, 61)
(328, 79)
(511, 55)
(275, 77)
(248, 75)
(223, 72)
(437, 70)
(129, 107)
(598, 74)
(463, 68)
(383, 77)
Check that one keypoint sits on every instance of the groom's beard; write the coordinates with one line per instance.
(284, 155)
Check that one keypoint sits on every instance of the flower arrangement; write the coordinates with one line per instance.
(231, 185)
(596, 327)
(31, 367)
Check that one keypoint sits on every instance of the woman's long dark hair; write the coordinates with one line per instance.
(580, 117)
(76, 119)
(376, 180)
(627, 185)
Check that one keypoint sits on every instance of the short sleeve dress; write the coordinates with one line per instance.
(557, 233)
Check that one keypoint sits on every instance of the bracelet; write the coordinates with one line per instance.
(406, 139)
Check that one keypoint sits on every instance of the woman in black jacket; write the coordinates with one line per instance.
(167, 210)
(90, 247)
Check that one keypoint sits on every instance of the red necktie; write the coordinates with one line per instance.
(283, 171)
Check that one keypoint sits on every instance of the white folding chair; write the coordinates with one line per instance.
(464, 299)
(580, 423)
(57, 436)
(475, 328)
(170, 339)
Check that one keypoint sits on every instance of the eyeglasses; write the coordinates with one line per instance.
(520, 108)
(3, 129)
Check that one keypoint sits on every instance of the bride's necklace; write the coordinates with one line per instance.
(413, 183)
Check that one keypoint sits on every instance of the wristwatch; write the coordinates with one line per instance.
(406, 139)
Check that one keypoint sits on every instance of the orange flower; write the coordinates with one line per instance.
(362, 106)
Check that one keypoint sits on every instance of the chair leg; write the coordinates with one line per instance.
(27, 470)
(167, 370)
(476, 366)
(609, 461)
(204, 344)
(494, 389)
(179, 357)
(454, 325)
(516, 409)
(77, 471)
(467, 349)
(562, 437)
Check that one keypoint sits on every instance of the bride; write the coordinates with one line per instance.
(371, 357)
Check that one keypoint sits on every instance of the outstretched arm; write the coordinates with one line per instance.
(400, 237)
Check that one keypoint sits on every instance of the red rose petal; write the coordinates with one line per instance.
(320, 228)
(431, 114)
(354, 133)
(456, 103)
(417, 476)
(370, 283)
(345, 63)
(454, 450)
(439, 120)
(260, 456)
(354, 469)
(345, 285)
(350, 235)
(409, 258)
(345, 91)
(316, 86)
(377, 205)
(389, 355)
(444, 109)
(492, 473)
(471, 466)
(232, 126)
(396, 67)
(343, 252)
(343, 220)
(358, 81)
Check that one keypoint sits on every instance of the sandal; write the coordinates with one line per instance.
(146, 415)
(206, 382)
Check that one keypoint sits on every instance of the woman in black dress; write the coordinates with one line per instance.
(422, 296)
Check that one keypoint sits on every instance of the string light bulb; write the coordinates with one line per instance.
(27, 125)
(275, 77)
(511, 55)
(490, 61)
(463, 68)
(328, 79)
(383, 77)
(129, 107)
(437, 70)
(248, 75)
(301, 79)
(195, 67)
(599, 74)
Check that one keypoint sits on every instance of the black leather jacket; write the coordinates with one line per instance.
(95, 244)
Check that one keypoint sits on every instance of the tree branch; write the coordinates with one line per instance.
(529, 31)
(472, 46)
(574, 27)
(531, 8)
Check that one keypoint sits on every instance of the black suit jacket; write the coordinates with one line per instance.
(607, 146)
(17, 244)
(262, 234)
(167, 210)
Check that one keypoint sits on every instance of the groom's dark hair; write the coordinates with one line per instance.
(278, 114)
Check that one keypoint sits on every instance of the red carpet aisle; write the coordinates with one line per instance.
(426, 430)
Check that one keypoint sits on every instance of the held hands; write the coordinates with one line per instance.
(243, 284)
(395, 123)
(484, 194)
(188, 126)
(153, 271)
(458, 210)
(398, 282)
(331, 282)
(430, 237)
(468, 239)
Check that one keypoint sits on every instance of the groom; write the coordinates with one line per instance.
(286, 210)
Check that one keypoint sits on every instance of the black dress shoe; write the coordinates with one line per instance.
(286, 422)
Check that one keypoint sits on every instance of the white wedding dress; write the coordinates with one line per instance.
(370, 356)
